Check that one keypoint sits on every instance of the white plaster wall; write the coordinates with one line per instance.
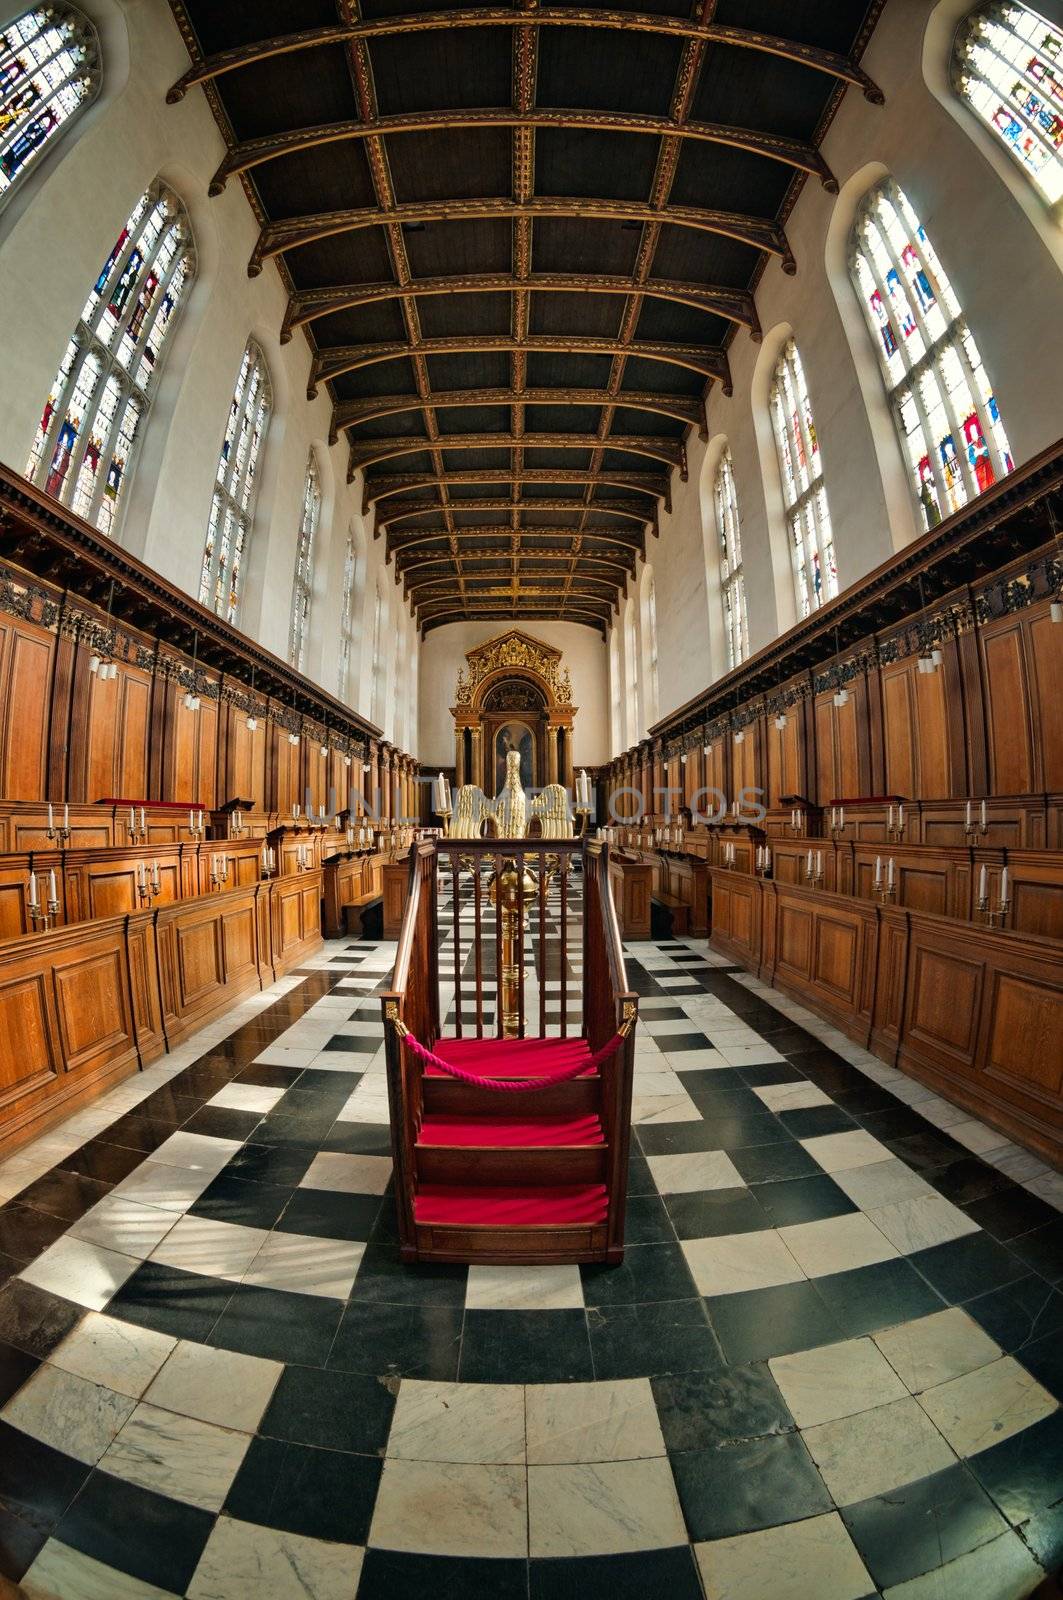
(584, 653)
(53, 238)
(1004, 258)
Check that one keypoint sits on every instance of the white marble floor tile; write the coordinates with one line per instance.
(117, 1354)
(80, 1272)
(649, 1082)
(692, 1172)
(585, 1422)
(810, 1560)
(276, 1055)
(977, 1136)
(707, 1060)
(244, 1561)
(504, 1288)
(755, 1055)
(68, 1413)
(306, 1265)
(878, 1450)
(882, 1183)
(603, 1508)
(451, 1509)
(1017, 1164)
(247, 1097)
(1004, 1569)
(791, 1096)
(475, 1423)
(985, 1406)
(219, 1386)
(836, 1152)
(836, 1244)
(199, 1151)
(124, 1225)
(931, 1350)
(347, 1174)
(663, 1108)
(166, 1188)
(177, 1456)
(60, 1572)
(366, 1103)
(835, 1380)
(922, 1221)
(204, 1245)
(1049, 1186)
(731, 1263)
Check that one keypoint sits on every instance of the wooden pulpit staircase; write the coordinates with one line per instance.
(485, 1172)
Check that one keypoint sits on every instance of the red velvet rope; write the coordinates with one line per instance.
(515, 1085)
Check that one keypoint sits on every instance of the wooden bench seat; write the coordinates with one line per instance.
(677, 911)
(360, 916)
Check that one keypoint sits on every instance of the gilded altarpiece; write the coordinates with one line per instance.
(513, 694)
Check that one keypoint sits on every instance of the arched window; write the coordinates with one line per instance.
(94, 414)
(348, 623)
(303, 582)
(732, 581)
(1008, 65)
(632, 675)
(805, 498)
(232, 508)
(616, 727)
(376, 705)
(939, 392)
(49, 72)
(651, 624)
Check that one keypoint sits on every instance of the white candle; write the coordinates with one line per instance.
(142, 819)
(889, 818)
(819, 863)
(51, 819)
(191, 822)
(140, 875)
(66, 818)
(34, 902)
(132, 820)
(295, 812)
(967, 815)
(155, 874)
(983, 885)
(1003, 887)
(889, 873)
(878, 872)
(808, 865)
(841, 817)
(201, 819)
(767, 858)
(793, 817)
(265, 858)
(900, 817)
(982, 818)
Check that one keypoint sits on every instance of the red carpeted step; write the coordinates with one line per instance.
(509, 1132)
(510, 1058)
(512, 1206)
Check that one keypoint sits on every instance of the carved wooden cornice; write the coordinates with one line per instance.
(352, 413)
(628, 510)
(374, 451)
(648, 483)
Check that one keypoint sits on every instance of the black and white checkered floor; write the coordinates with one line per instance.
(830, 1366)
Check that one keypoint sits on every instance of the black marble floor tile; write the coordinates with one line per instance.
(33, 1320)
(324, 1494)
(9, 1268)
(37, 1484)
(277, 1130)
(749, 1484)
(792, 1200)
(677, 1043)
(1042, 1249)
(358, 1139)
(646, 1220)
(399, 1341)
(25, 1232)
(967, 1179)
(1043, 1533)
(788, 1038)
(15, 1367)
(63, 1194)
(525, 1347)
(759, 1323)
(771, 1072)
(638, 1576)
(383, 1278)
(866, 1299)
(812, 1122)
(638, 1341)
(897, 1124)
(1024, 1474)
(185, 1305)
(1010, 1211)
(276, 1324)
(922, 1525)
(718, 1103)
(664, 1014)
(1019, 1312)
(141, 1131)
(232, 1199)
(324, 1214)
(767, 1163)
(639, 1177)
(866, 1099)
(926, 1151)
(336, 1410)
(647, 1273)
(707, 1213)
(265, 1076)
(828, 1071)
(394, 1575)
(970, 1266)
(282, 1166)
(99, 1159)
(1044, 1358)
(223, 1122)
(704, 1410)
(362, 1044)
(147, 1535)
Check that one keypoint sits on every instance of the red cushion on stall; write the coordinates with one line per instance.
(509, 1132)
(511, 1206)
(510, 1058)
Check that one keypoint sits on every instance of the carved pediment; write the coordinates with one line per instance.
(520, 652)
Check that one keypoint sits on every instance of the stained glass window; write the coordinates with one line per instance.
(1008, 65)
(94, 414)
(631, 652)
(951, 432)
(377, 703)
(303, 582)
(804, 495)
(651, 620)
(732, 581)
(49, 71)
(236, 485)
(348, 628)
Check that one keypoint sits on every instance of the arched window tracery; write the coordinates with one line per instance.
(1007, 65)
(49, 74)
(303, 581)
(732, 579)
(811, 538)
(232, 508)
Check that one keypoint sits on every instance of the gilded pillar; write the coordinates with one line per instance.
(551, 754)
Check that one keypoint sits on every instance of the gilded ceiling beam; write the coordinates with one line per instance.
(759, 232)
(708, 361)
(681, 408)
(631, 545)
(544, 561)
(735, 305)
(627, 510)
(444, 587)
(829, 62)
(250, 153)
(373, 451)
(656, 486)
(567, 613)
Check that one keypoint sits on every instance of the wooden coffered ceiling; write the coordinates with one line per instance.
(518, 241)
